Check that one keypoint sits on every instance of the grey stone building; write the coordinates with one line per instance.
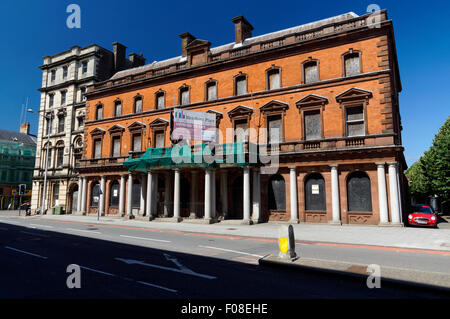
(65, 77)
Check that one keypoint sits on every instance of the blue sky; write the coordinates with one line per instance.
(31, 29)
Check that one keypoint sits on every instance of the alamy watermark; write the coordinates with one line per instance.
(74, 19)
(74, 279)
(374, 279)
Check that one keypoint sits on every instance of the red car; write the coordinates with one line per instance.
(422, 215)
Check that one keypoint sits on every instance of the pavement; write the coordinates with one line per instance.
(398, 237)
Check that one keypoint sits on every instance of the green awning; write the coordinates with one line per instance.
(183, 156)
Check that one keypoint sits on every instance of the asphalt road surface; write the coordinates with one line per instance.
(131, 262)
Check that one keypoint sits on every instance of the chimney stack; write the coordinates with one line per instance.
(119, 51)
(242, 29)
(186, 38)
(136, 60)
(25, 128)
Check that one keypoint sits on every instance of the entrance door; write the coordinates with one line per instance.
(237, 199)
(74, 201)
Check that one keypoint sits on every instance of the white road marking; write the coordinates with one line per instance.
(151, 239)
(25, 252)
(38, 225)
(86, 231)
(231, 251)
(34, 234)
(185, 270)
(98, 271)
(156, 286)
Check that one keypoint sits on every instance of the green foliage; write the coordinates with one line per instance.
(431, 174)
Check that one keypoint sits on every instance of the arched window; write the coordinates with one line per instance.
(315, 197)
(277, 193)
(136, 197)
(114, 194)
(138, 104)
(352, 63)
(99, 112)
(95, 194)
(359, 193)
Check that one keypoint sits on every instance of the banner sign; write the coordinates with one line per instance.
(191, 125)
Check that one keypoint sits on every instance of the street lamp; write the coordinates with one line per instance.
(47, 117)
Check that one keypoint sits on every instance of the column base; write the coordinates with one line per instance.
(246, 222)
(294, 221)
(256, 221)
(335, 223)
(129, 217)
(201, 221)
(177, 219)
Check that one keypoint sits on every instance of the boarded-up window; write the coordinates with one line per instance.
(59, 156)
(184, 96)
(159, 139)
(95, 197)
(275, 129)
(137, 142)
(160, 100)
(311, 72)
(114, 194)
(138, 105)
(315, 199)
(118, 108)
(241, 131)
(277, 193)
(274, 80)
(352, 64)
(97, 148)
(211, 91)
(136, 197)
(313, 127)
(355, 121)
(241, 85)
(359, 194)
(99, 113)
(116, 146)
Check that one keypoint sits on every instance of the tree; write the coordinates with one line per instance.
(431, 174)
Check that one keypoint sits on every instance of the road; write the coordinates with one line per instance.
(131, 262)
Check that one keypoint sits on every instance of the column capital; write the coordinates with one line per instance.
(392, 163)
(292, 167)
(334, 165)
(380, 163)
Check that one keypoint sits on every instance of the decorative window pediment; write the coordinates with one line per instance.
(98, 131)
(136, 126)
(240, 110)
(159, 122)
(274, 106)
(312, 100)
(116, 128)
(353, 94)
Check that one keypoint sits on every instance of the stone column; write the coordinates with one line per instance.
(176, 195)
(256, 216)
(149, 201)
(194, 194)
(400, 200)
(129, 194)
(101, 204)
(122, 195)
(224, 193)
(246, 196)
(83, 195)
(336, 207)
(393, 193)
(143, 194)
(293, 194)
(382, 196)
(154, 206)
(207, 204)
(167, 195)
(80, 190)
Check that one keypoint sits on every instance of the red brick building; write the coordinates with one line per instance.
(330, 87)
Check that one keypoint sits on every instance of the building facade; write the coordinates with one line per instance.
(323, 97)
(17, 153)
(65, 78)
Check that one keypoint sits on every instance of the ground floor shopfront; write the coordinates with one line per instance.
(340, 190)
